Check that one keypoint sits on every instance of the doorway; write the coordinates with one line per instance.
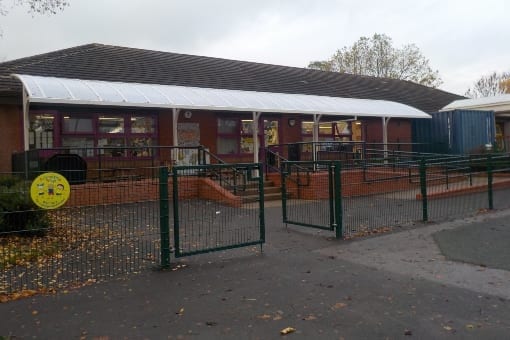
(269, 137)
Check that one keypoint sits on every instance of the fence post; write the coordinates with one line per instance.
(332, 194)
(284, 175)
(489, 181)
(423, 188)
(175, 200)
(338, 200)
(164, 223)
(262, 218)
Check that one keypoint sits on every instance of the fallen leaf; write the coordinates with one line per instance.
(339, 305)
(287, 330)
(408, 332)
(180, 312)
(310, 317)
(264, 317)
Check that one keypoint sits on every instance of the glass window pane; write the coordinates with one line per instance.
(308, 144)
(111, 124)
(78, 125)
(112, 147)
(228, 145)
(141, 147)
(246, 144)
(142, 124)
(307, 128)
(271, 132)
(41, 131)
(325, 129)
(82, 146)
(227, 125)
(247, 127)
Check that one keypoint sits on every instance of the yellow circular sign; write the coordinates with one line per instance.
(50, 190)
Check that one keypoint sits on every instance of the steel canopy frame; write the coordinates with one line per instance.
(53, 90)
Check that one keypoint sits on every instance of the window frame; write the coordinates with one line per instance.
(149, 139)
(237, 135)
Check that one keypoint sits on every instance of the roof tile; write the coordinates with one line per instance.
(123, 64)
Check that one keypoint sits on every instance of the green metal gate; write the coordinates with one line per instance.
(381, 194)
(309, 201)
(214, 207)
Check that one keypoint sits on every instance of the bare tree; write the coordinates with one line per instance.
(377, 57)
(490, 85)
(33, 6)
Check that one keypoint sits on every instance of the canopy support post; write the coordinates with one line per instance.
(385, 121)
(175, 119)
(256, 143)
(26, 129)
(175, 137)
(315, 138)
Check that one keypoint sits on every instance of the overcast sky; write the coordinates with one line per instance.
(463, 39)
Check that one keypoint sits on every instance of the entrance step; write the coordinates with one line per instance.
(250, 192)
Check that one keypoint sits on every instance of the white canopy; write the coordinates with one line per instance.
(93, 92)
(497, 104)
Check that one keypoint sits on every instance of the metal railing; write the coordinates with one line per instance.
(380, 196)
(107, 229)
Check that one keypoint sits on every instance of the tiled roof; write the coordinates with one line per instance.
(113, 63)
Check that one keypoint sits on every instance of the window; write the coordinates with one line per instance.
(40, 133)
(235, 136)
(77, 125)
(109, 124)
(327, 132)
(118, 135)
(247, 144)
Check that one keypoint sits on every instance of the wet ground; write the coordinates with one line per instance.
(397, 285)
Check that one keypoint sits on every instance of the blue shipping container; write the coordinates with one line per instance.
(454, 132)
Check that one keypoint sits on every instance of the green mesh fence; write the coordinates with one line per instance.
(381, 194)
(308, 194)
(217, 207)
(379, 197)
(104, 229)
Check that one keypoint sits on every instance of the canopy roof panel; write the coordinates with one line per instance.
(496, 103)
(92, 92)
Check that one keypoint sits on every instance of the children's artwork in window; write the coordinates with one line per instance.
(142, 124)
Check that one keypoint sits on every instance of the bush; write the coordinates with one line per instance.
(17, 211)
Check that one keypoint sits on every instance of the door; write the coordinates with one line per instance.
(269, 137)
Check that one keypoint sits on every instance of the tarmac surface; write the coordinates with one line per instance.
(399, 285)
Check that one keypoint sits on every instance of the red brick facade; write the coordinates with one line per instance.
(11, 138)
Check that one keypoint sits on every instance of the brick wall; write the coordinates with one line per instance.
(121, 192)
(11, 138)
(353, 183)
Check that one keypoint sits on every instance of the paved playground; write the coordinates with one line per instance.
(428, 281)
